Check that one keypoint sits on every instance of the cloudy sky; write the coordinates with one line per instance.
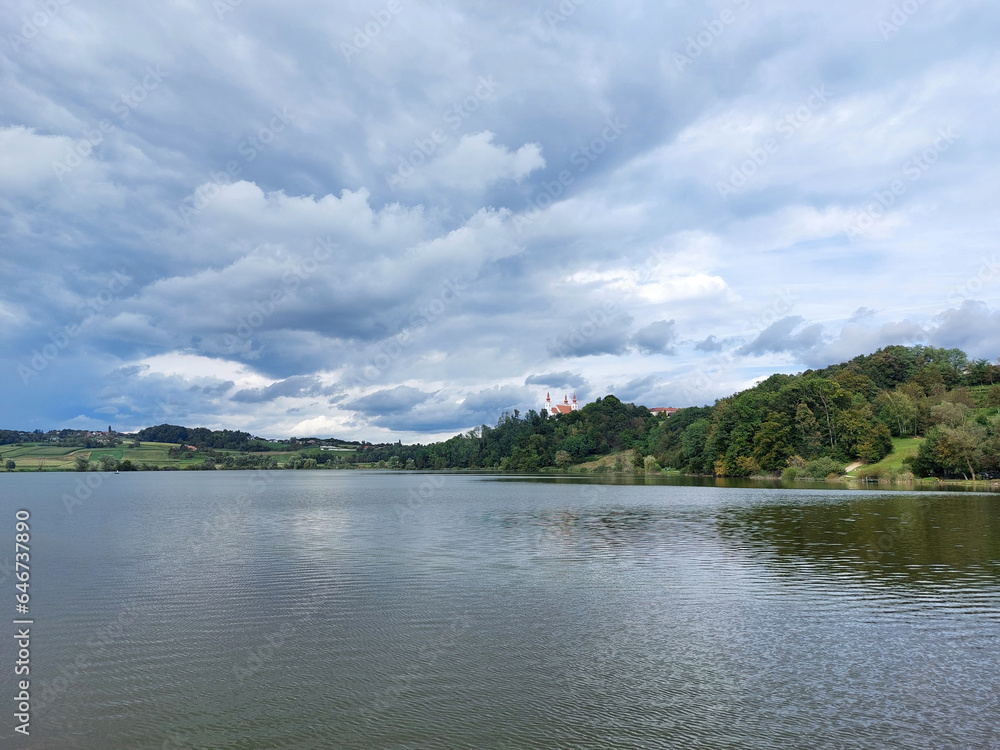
(395, 220)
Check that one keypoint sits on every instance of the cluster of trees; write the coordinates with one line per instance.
(812, 423)
(202, 437)
(528, 443)
(962, 442)
(229, 461)
(71, 438)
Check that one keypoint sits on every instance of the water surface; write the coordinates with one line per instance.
(400, 610)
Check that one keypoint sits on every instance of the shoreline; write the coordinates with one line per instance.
(842, 482)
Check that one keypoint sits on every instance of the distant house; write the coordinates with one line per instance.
(663, 411)
(564, 408)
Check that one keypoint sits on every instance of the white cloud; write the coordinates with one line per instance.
(476, 163)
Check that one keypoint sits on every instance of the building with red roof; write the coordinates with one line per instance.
(564, 408)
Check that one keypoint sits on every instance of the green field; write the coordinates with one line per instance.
(46, 457)
(902, 448)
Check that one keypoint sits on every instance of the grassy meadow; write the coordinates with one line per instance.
(47, 457)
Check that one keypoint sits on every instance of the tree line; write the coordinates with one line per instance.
(809, 424)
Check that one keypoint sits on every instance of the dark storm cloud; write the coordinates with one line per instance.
(657, 338)
(196, 204)
(299, 386)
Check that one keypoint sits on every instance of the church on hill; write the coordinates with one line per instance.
(564, 408)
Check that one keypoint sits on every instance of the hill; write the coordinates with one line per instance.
(815, 422)
(811, 424)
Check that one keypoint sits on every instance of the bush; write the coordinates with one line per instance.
(790, 474)
(821, 468)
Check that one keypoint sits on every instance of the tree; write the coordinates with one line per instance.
(959, 448)
(897, 410)
(773, 442)
(10, 464)
(808, 439)
(950, 414)
(108, 462)
(694, 440)
(993, 396)
(828, 395)
(82, 463)
(862, 436)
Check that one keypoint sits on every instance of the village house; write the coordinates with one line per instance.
(663, 411)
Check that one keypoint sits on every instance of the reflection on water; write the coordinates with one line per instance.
(886, 537)
(663, 480)
(332, 610)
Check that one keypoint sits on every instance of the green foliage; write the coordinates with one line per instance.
(993, 396)
(965, 450)
(805, 425)
(202, 437)
(10, 464)
(821, 468)
(815, 423)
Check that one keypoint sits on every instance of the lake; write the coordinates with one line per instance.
(401, 610)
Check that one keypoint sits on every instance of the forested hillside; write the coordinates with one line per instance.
(808, 424)
(202, 437)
